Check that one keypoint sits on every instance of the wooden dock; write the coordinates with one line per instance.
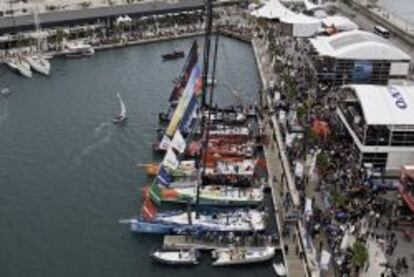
(188, 242)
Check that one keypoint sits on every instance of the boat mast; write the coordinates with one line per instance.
(37, 25)
(206, 57)
(207, 38)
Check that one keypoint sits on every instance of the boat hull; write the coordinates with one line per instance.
(178, 223)
(175, 257)
(233, 258)
(40, 65)
(119, 120)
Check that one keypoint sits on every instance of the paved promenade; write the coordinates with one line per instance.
(281, 181)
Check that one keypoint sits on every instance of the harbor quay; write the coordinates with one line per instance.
(114, 34)
(332, 118)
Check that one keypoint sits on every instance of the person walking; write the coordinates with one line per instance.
(286, 249)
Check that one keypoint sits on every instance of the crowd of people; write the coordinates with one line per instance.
(343, 196)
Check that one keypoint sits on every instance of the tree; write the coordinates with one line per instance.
(359, 254)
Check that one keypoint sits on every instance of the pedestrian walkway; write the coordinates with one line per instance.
(296, 265)
(376, 258)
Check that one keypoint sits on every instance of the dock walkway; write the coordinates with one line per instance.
(277, 179)
(189, 242)
(186, 242)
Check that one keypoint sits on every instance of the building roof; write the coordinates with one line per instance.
(339, 22)
(92, 14)
(275, 10)
(272, 9)
(386, 105)
(357, 45)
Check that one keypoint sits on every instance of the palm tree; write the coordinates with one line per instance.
(359, 254)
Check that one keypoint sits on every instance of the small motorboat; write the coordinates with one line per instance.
(242, 255)
(79, 50)
(279, 269)
(176, 257)
(39, 64)
(176, 54)
(122, 115)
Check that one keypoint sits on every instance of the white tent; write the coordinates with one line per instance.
(302, 25)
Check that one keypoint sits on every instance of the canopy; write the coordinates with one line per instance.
(303, 25)
(357, 45)
(386, 105)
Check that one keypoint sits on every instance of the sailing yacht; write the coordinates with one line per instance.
(38, 61)
(20, 66)
(122, 115)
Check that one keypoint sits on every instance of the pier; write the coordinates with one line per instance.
(189, 242)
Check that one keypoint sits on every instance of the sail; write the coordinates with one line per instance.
(189, 116)
(189, 64)
(193, 86)
(121, 103)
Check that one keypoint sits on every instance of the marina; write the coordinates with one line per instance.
(170, 154)
(78, 104)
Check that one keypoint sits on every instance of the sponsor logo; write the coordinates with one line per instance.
(398, 98)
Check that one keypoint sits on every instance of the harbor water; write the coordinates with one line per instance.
(68, 174)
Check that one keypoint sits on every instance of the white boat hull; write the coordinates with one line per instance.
(176, 257)
(238, 256)
(279, 269)
(20, 66)
(39, 64)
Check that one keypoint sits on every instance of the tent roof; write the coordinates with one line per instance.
(386, 105)
(273, 9)
(357, 45)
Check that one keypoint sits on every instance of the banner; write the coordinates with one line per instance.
(163, 177)
(165, 143)
(189, 116)
(170, 160)
(325, 258)
(189, 64)
(185, 99)
(178, 142)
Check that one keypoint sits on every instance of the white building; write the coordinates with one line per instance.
(358, 57)
(380, 121)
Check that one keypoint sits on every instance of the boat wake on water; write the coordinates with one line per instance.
(104, 139)
(4, 111)
(100, 127)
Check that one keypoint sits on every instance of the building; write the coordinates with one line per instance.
(380, 121)
(96, 15)
(357, 57)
